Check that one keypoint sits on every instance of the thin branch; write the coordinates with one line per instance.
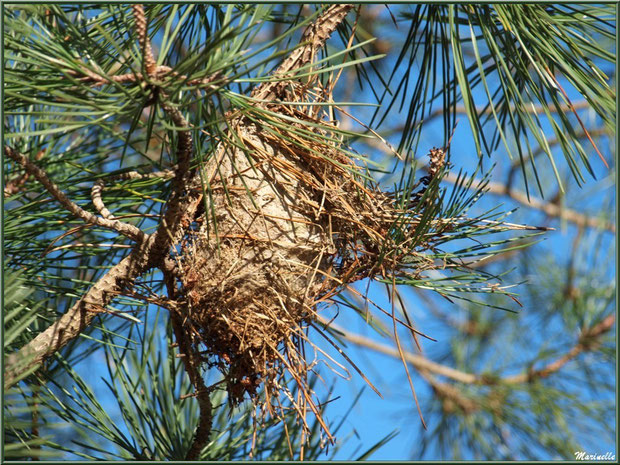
(125, 229)
(540, 150)
(549, 208)
(170, 226)
(95, 194)
(451, 396)
(587, 341)
(418, 361)
(160, 73)
(531, 109)
(191, 362)
(99, 185)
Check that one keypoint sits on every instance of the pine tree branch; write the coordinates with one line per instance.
(587, 341)
(191, 362)
(125, 229)
(160, 73)
(418, 361)
(149, 253)
(78, 318)
(314, 37)
(549, 208)
(95, 192)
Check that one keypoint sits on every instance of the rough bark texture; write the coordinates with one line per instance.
(313, 38)
(79, 316)
(252, 272)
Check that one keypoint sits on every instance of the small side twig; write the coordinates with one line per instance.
(95, 194)
(98, 187)
(125, 229)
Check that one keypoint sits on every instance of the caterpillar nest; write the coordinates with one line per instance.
(289, 221)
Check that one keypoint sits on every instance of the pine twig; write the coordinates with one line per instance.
(125, 229)
(314, 38)
(160, 73)
(171, 226)
(148, 253)
(587, 341)
(548, 208)
(99, 185)
(191, 362)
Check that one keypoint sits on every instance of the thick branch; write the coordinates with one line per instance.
(314, 38)
(72, 323)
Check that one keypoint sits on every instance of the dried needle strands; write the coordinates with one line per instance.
(290, 220)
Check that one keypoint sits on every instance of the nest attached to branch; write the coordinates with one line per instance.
(290, 220)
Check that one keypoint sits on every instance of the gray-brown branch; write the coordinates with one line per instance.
(589, 339)
(148, 254)
(125, 229)
(79, 317)
(191, 362)
(151, 250)
(314, 38)
(549, 208)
